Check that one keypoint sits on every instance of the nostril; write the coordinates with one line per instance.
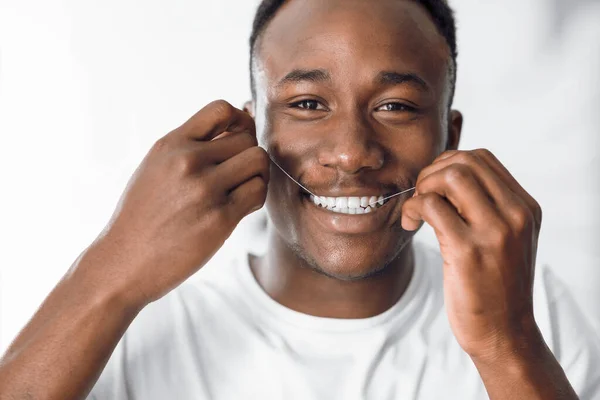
(356, 157)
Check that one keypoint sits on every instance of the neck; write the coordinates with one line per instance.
(290, 281)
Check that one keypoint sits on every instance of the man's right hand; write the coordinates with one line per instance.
(183, 201)
(181, 204)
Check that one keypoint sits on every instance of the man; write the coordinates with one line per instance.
(352, 99)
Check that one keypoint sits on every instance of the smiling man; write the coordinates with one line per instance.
(352, 100)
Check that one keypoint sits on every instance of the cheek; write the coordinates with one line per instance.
(282, 204)
(418, 149)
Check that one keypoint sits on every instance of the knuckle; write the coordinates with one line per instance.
(259, 156)
(258, 187)
(520, 217)
(430, 201)
(253, 197)
(422, 175)
(257, 192)
(247, 140)
(255, 152)
(183, 164)
(457, 173)
(446, 154)
(262, 188)
(221, 108)
(467, 157)
(485, 153)
(160, 145)
(263, 157)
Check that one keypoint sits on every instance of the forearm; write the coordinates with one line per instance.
(529, 371)
(63, 349)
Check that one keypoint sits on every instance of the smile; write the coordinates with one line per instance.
(349, 205)
(349, 215)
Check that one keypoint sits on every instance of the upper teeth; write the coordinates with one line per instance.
(349, 205)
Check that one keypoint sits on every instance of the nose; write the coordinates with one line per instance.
(351, 146)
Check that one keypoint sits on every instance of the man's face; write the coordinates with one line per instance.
(352, 101)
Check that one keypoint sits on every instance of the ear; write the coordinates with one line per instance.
(455, 123)
(249, 107)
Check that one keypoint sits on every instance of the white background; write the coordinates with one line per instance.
(87, 86)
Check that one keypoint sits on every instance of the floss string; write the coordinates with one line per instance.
(299, 184)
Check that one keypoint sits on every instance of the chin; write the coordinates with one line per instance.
(352, 262)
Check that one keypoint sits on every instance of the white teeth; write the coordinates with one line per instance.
(353, 202)
(349, 205)
(316, 200)
(341, 202)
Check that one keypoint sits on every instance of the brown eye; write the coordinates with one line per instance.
(395, 107)
(308, 105)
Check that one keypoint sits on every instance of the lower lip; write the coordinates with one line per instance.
(348, 223)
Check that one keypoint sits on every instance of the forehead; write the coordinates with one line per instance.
(353, 38)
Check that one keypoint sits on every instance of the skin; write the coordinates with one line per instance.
(349, 145)
(181, 204)
(370, 136)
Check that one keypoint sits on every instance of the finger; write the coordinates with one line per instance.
(457, 183)
(446, 154)
(494, 164)
(438, 163)
(248, 197)
(194, 156)
(504, 199)
(241, 168)
(216, 118)
(219, 150)
(437, 212)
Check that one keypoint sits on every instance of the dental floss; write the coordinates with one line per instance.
(289, 176)
(299, 184)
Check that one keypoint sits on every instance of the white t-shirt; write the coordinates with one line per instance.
(223, 337)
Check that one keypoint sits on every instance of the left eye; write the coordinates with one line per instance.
(395, 107)
(308, 105)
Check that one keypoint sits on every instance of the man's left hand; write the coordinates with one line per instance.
(487, 226)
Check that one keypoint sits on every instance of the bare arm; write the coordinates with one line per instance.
(182, 203)
(529, 371)
(64, 348)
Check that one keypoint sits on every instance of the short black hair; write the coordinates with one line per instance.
(439, 10)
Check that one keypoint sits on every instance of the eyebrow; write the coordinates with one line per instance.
(310, 75)
(400, 78)
(383, 78)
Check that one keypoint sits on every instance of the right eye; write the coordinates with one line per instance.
(311, 105)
